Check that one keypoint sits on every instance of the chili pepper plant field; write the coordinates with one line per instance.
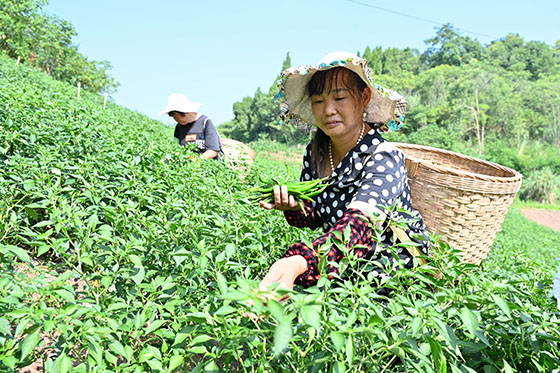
(120, 253)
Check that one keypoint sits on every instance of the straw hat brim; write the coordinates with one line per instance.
(385, 106)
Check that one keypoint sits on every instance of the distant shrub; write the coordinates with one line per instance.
(434, 135)
(499, 152)
(542, 185)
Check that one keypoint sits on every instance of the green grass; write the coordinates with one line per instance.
(525, 246)
(533, 205)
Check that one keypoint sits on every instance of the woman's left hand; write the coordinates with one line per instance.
(282, 200)
(284, 271)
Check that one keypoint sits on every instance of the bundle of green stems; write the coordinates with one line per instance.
(300, 190)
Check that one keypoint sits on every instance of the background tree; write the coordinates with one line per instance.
(448, 47)
(514, 54)
(18, 23)
(257, 118)
(45, 42)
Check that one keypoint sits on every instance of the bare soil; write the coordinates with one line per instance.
(549, 218)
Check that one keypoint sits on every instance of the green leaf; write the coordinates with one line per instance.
(95, 351)
(180, 255)
(155, 364)
(339, 367)
(349, 350)
(175, 361)
(137, 275)
(200, 339)
(502, 304)
(66, 295)
(198, 350)
(107, 281)
(154, 325)
(224, 310)
(135, 259)
(44, 223)
(29, 343)
(282, 337)
(148, 353)
(311, 316)
(447, 332)
(234, 295)
(338, 341)
(416, 325)
(482, 337)
(17, 251)
(64, 363)
(105, 231)
(28, 185)
(351, 319)
(438, 358)
(222, 283)
(230, 250)
(507, 368)
(117, 348)
(5, 327)
(276, 310)
(470, 321)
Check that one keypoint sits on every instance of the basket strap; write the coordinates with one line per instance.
(403, 237)
(412, 167)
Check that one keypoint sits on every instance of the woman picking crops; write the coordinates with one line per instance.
(193, 128)
(366, 175)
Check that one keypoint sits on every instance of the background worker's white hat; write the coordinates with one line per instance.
(180, 102)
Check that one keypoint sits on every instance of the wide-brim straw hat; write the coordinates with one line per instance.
(386, 108)
(180, 102)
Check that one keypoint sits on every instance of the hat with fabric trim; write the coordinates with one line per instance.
(385, 108)
(179, 102)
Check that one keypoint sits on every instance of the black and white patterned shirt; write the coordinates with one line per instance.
(373, 173)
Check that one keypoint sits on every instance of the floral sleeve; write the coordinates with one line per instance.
(361, 236)
(303, 219)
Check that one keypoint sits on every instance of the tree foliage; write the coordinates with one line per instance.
(507, 90)
(461, 94)
(448, 47)
(257, 118)
(44, 41)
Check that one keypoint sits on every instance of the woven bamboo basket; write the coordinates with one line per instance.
(238, 155)
(461, 198)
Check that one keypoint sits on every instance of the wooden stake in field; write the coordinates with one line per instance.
(79, 86)
(17, 61)
(105, 101)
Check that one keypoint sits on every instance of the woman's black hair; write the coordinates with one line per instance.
(321, 82)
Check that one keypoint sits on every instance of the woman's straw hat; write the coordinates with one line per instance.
(386, 107)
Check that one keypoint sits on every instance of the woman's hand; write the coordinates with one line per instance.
(282, 200)
(209, 154)
(284, 271)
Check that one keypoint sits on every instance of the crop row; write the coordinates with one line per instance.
(120, 253)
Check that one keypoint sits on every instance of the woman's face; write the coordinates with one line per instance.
(184, 118)
(338, 110)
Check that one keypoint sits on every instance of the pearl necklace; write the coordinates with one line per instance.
(357, 142)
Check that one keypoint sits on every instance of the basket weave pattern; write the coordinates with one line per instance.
(461, 198)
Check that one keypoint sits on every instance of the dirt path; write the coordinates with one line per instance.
(550, 218)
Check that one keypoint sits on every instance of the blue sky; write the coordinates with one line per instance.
(217, 52)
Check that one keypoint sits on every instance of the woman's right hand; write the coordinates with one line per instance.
(282, 200)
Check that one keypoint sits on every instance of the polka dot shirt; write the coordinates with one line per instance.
(373, 172)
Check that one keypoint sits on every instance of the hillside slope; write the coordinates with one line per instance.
(118, 252)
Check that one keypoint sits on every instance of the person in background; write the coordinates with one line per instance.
(367, 176)
(193, 127)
